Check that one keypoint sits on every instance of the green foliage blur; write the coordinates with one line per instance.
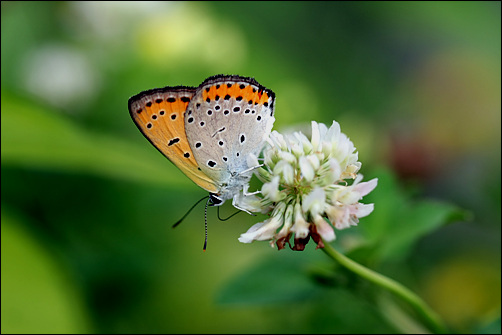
(87, 204)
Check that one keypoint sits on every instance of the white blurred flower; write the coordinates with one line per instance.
(305, 188)
(62, 76)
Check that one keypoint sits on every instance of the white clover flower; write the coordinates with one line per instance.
(305, 189)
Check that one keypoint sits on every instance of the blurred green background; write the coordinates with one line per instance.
(87, 203)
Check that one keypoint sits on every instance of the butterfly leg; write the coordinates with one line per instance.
(251, 169)
(245, 191)
(234, 203)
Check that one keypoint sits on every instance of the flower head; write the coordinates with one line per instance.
(305, 189)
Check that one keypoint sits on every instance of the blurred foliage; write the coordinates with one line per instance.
(87, 202)
(51, 304)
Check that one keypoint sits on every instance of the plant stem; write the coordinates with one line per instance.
(431, 319)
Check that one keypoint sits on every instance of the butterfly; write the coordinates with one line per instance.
(209, 132)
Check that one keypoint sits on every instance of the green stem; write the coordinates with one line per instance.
(429, 316)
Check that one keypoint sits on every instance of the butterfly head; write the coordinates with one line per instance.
(233, 185)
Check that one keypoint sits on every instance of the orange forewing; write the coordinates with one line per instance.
(160, 116)
(248, 93)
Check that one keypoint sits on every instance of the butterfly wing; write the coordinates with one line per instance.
(159, 114)
(228, 118)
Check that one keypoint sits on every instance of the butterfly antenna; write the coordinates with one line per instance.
(205, 222)
(188, 212)
(218, 210)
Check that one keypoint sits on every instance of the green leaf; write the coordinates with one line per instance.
(270, 281)
(419, 220)
(315, 300)
(34, 136)
(398, 221)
